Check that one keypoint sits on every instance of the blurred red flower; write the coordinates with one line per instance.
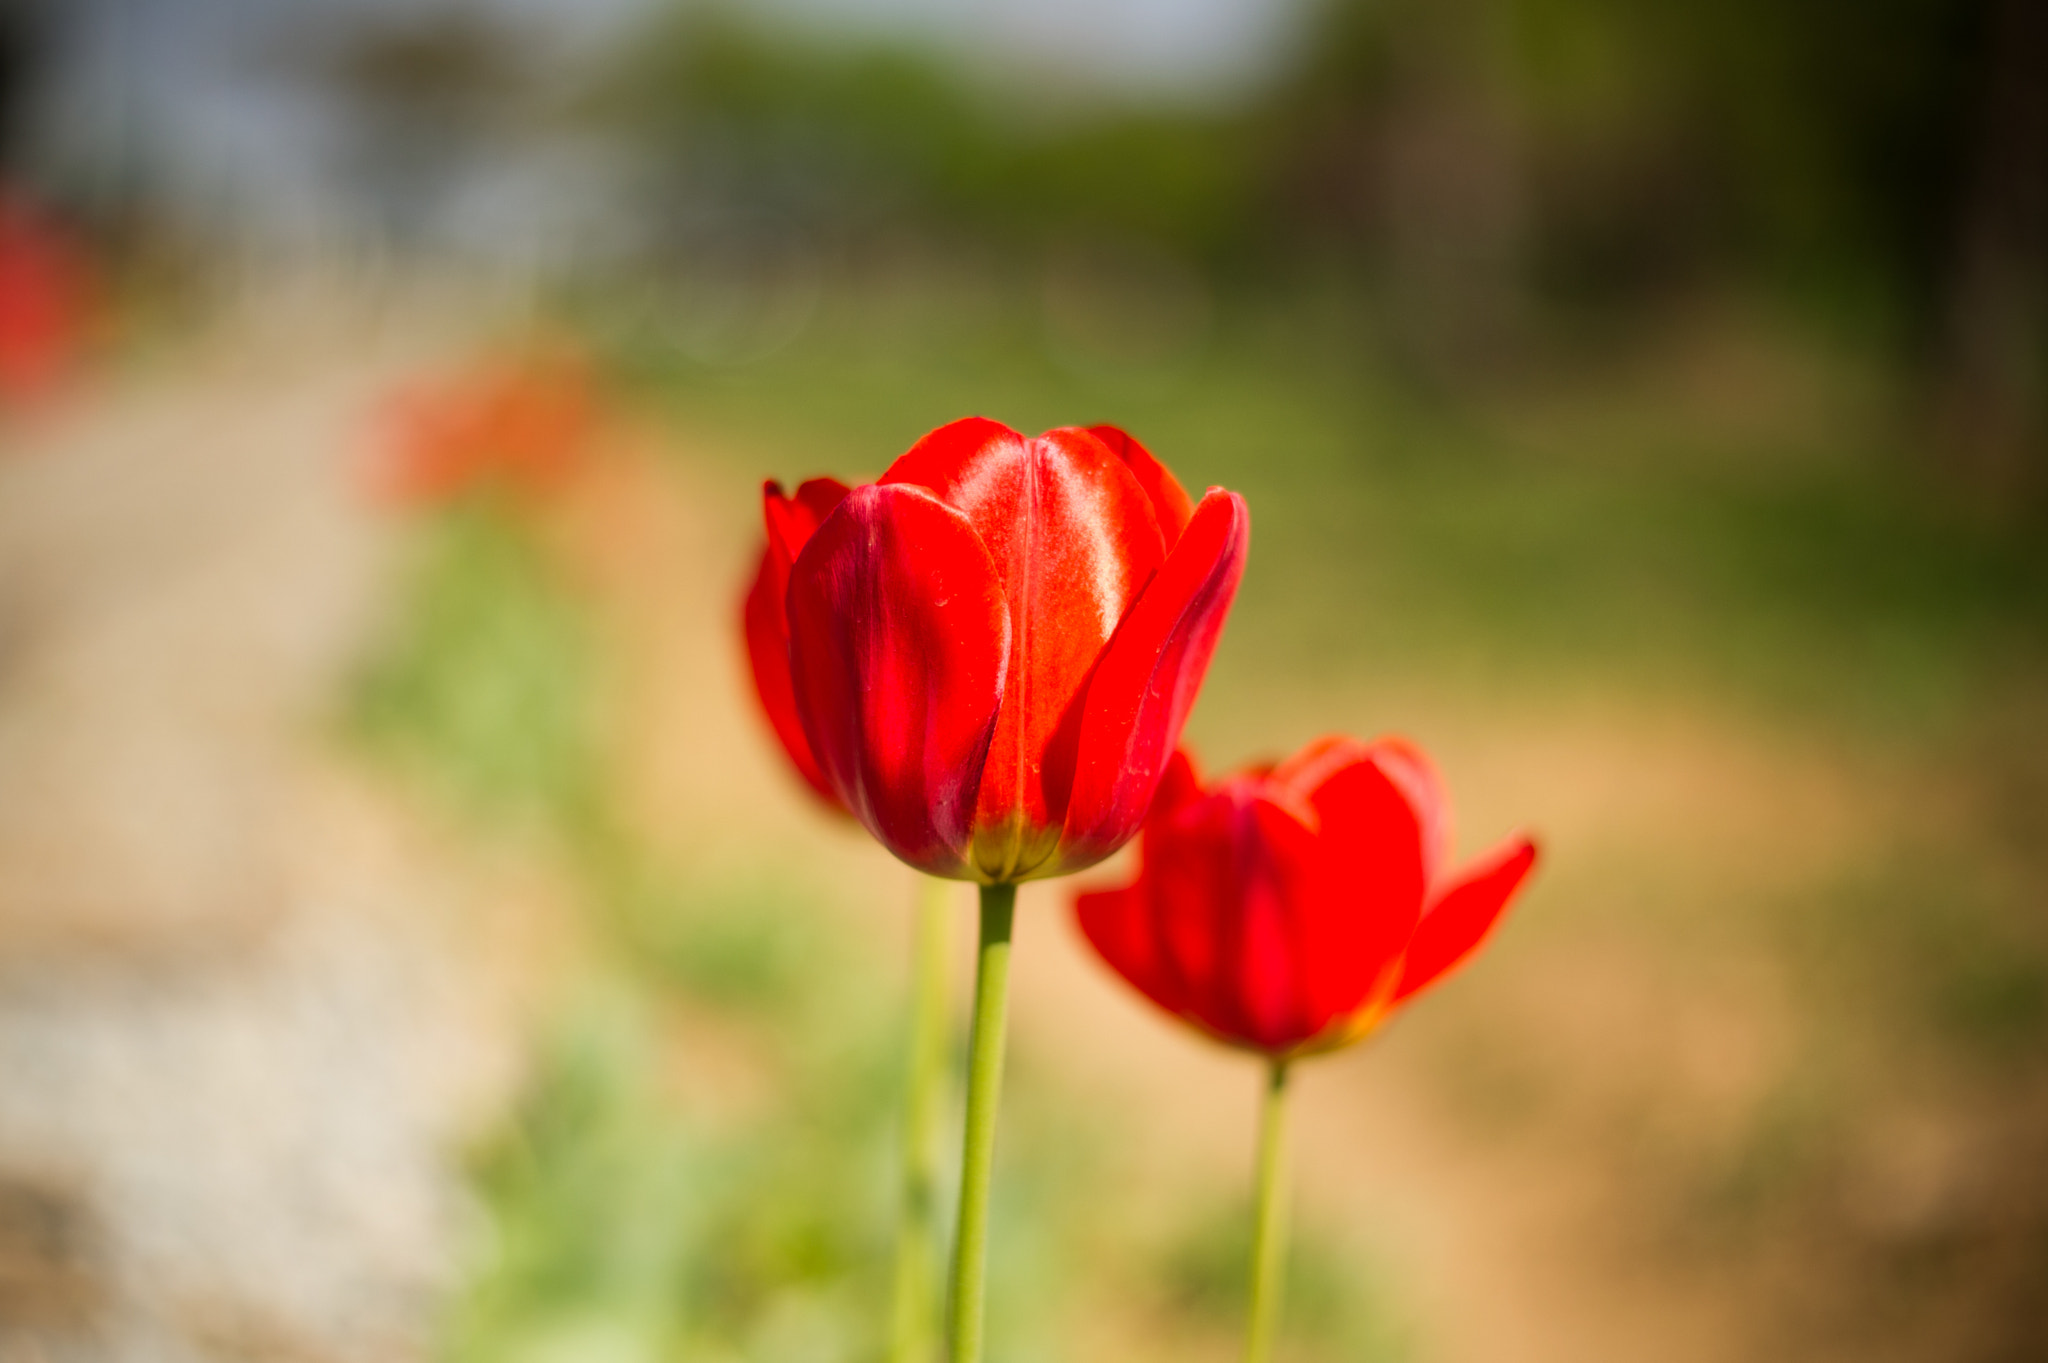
(45, 302)
(1289, 909)
(791, 523)
(994, 648)
(521, 426)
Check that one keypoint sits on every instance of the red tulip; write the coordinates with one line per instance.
(995, 646)
(523, 425)
(45, 302)
(1289, 909)
(791, 522)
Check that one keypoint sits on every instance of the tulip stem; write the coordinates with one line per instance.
(1269, 1226)
(915, 1326)
(984, 1090)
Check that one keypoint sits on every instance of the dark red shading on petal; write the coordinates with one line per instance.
(899, 637)
(790, 524)
(1194, 879)
(1220, 900)
(1169, 499)
(1463, 914)
(1269, 962)
(767, 631)
(1146, 681)
(1074, 540)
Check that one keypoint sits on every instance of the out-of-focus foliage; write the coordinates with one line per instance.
(1482, 183)
(885, 140)
(1202, 1275)
(1828, 144)
(1829, 141)
(483, 685)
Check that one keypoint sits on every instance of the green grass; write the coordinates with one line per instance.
(482, 685)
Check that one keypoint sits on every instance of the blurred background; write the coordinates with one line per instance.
(413, 948)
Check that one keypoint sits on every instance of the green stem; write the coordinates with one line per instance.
(1269, 1228)
(915, 1327)
(984, 1089)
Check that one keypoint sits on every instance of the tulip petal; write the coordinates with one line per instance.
(1169, 499)
(1295, 781)
(1147, 679)
(1368, 894)
(1463, 915)
(1118, 924)
(1074, 539)
(1410, 768)
(790, 524)
(1202, 874)
(767, 630)
(954, 458)
(1273, 959)
(1192, 873)
(1224, 879)
(791, 521)
(821, 496)
(1180, 786)
(1405, 764)
(899, 639)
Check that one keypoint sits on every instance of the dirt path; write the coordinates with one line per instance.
(235, 1038)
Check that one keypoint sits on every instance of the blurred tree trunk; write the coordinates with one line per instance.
(1454, 197)
(1455, 228)
(1404, 161)
(23, 48)
(1992, 385)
